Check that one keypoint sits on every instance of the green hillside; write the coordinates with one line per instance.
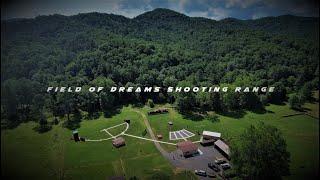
(53, 155)
(160, 48)
(97, 49)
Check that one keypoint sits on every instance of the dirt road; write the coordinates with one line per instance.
(158, 146)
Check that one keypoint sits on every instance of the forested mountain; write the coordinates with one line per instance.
(157, 48)
(305, 27)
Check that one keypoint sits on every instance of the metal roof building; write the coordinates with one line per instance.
(210, 134)
(223, 147)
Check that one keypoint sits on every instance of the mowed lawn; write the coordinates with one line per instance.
(301, 132)
(26, 154)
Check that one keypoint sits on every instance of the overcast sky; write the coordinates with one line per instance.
(214, 9)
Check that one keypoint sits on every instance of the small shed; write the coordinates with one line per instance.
(159, 136)
(118, 142)
(76, 135)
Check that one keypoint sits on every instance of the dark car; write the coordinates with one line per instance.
(212, 175)
(200, 172)
(214, 167)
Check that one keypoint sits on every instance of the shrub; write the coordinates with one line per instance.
(150, 103)
(213, 118)
(295, 101)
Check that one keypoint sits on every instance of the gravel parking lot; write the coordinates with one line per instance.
(197, 162)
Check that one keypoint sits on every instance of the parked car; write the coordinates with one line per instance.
(214, 167)
(200, 172)
(220, 161)
(212, 175)
(225, 166)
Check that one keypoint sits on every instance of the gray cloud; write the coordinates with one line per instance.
(241, 3)
(215, 9)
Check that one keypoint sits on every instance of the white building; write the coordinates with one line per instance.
(211, 135)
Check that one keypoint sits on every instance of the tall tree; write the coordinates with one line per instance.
(260, 153)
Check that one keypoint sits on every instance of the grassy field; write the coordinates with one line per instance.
(301, 132)
(26, 154)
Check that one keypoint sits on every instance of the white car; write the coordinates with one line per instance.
(225, 166)
(220, 161)
(200, 172)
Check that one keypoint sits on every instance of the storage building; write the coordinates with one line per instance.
(118, 142)
(223, 148)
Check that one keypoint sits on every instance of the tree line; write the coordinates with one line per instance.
(107, 50)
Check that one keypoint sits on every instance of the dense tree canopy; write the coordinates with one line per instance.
(158, 48)
(262, 153)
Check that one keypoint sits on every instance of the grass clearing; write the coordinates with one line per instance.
(301, 132)
(53, 155)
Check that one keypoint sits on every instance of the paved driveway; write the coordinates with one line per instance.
(198, 162)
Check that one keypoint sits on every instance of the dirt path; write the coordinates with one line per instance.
(157, 144)
(192, 163)
(57, 145)
(172, 156)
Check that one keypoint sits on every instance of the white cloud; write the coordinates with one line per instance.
(240, 3)
(130, 13)
(212, 13)
(218, 13)
(198, 14)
